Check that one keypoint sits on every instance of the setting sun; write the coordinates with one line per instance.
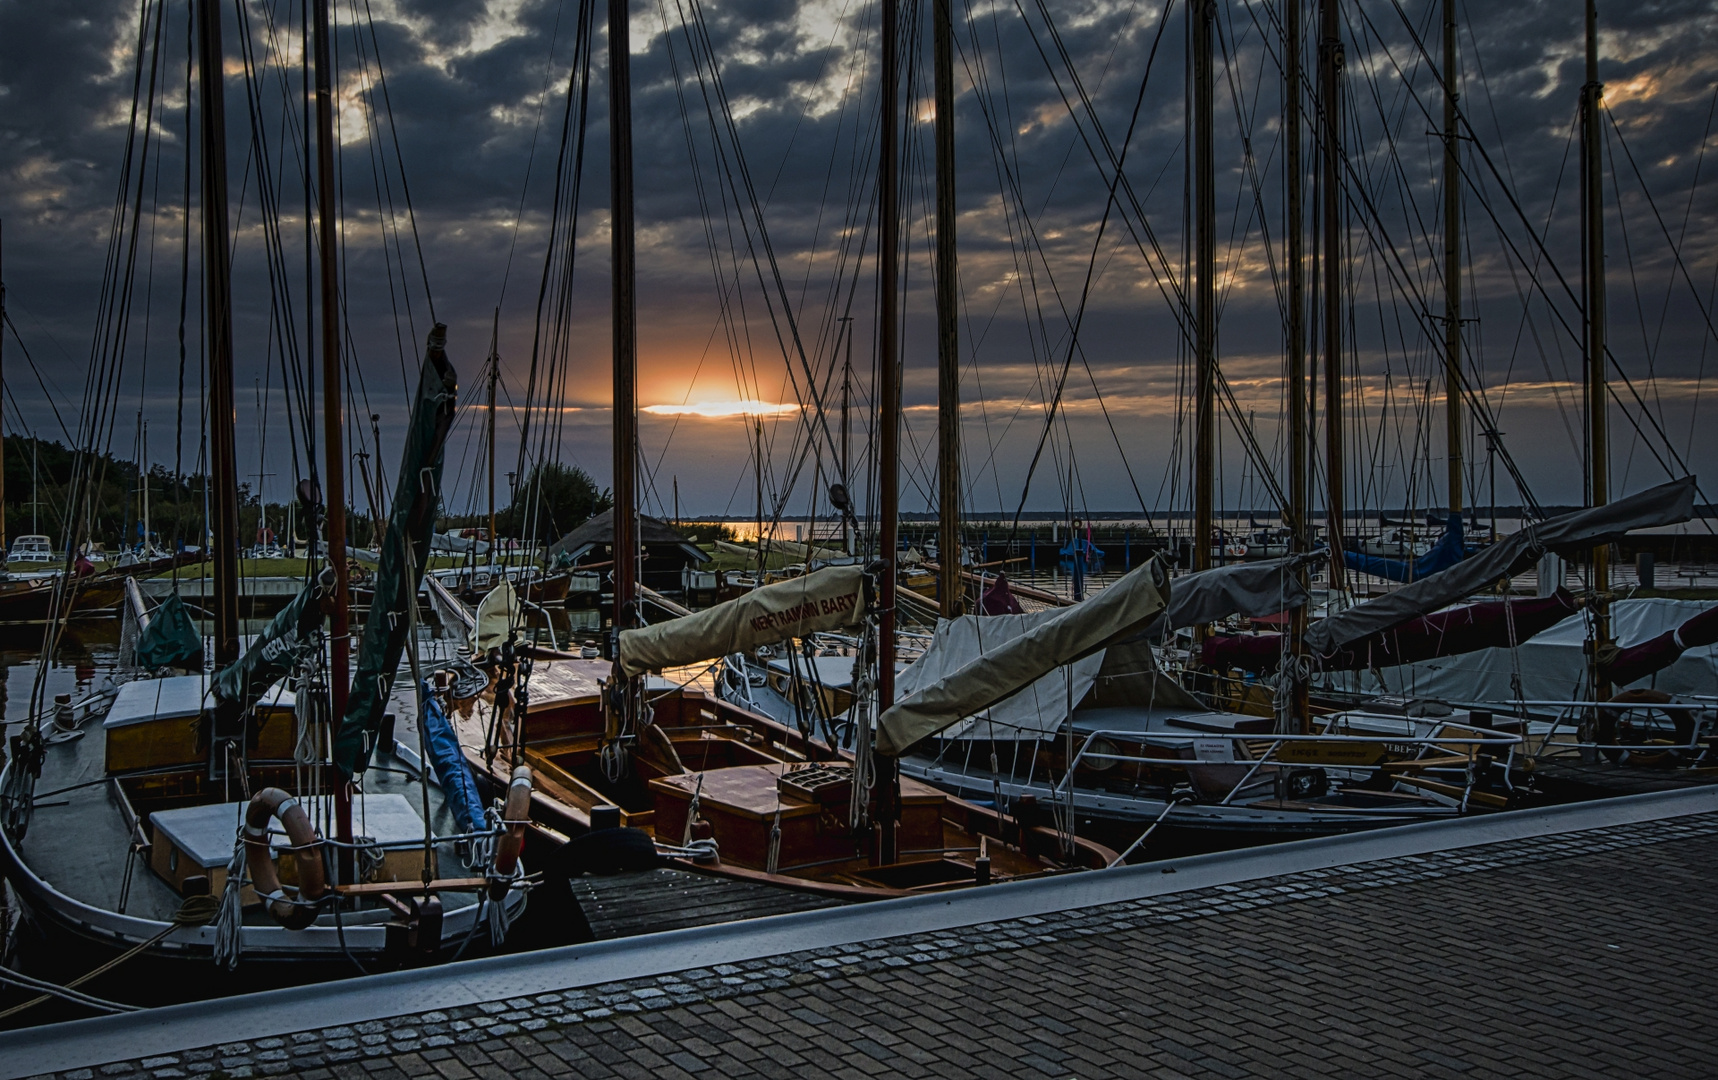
(716, 410)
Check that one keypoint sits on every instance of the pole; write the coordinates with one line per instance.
(2, 388)
(494, 377)
(218, 274)
(625, 316)
(1330, 124)
(1593, 273)
(1452, 265)
(1299, 428)
(846, 433)
(948, 330)
(1205, 294)
(888, 776)
(333, 422)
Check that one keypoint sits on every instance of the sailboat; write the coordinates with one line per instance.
(234, 831)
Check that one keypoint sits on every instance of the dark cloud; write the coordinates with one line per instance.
(478, 93)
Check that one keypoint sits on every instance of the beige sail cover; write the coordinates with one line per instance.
(827, 599)
(1074, 633)
(497, 613)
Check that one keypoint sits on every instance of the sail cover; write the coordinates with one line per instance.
(826, 599)
(1250, 589)
(1036, 710)
(497, 614)
(1655, 654)
(170, 638)
(1068, 636)
(1667, 504)
(1494, 625)
(1449, 550)
(410, 522)
(289, 638)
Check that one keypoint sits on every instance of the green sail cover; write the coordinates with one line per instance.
(288, 639)
(170, 638)
(410, 521)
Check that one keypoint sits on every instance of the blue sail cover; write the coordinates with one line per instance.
(444, 755)
(1442, 555)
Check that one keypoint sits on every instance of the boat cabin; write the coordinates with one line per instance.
(33, 548)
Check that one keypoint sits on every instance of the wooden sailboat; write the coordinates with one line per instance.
(184, 844)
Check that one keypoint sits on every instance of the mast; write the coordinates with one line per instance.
(1299, 523)
(1593, 273)
(333, 419)
(846, 435)
(494, 377)
(625, 330)
(1452, 265)
(1330, 121)
(887, 774)
(2, 389)
(948, 330)
(1205, 294)
(224, 502)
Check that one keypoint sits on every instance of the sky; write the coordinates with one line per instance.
(755, 128)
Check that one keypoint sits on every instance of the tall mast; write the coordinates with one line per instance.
(333, 415)
(1205, 294)
(948, 330)
(1299, 522)
(846, 434)
(217, 270)
(2, 389)
(1330, 122)
(887, 775)
(1452, 264)
(1593, 273)
(625, 326)
(494, 377)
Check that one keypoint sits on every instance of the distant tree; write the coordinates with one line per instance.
(706, 532)
(553, 500)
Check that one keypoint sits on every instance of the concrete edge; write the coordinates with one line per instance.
(85, 1043)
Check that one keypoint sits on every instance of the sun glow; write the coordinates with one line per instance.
(716, 410)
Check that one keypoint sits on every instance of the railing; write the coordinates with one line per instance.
(1569, 711)
(1468, 742)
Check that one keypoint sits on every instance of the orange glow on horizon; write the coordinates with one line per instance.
(721, 410)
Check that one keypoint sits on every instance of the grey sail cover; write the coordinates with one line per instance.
(1249, 589)
(1667, 504)
(827, 599)
(1036, 710)
(1070, 635)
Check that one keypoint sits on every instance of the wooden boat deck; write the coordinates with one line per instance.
(651, 901)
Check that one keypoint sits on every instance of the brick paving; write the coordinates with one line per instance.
(1580, 955)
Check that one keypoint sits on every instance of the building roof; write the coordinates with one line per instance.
(599, 530)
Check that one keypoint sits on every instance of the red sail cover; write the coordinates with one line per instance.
(1655, 654)
(999, 599)
(1444, 633)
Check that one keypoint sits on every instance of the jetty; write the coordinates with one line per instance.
(1565, 941)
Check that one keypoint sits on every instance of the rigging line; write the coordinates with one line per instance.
(1178, 304)
(531, 157)
(399, 157)
(1520, 212)
(1688, 209)
(34, 370)
(1640, 311)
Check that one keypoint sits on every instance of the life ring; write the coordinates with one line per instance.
(1615, 727)
(514, 815)
(275, 804)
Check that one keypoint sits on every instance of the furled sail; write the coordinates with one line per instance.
(1251, 589)
(416, 497)
(1068, 636)
(1667, 504)
(1655, 654)
(1493, 625)
(497, 614)
(1449, 550)
(1036, 710)
(289, 638)
(827, 599)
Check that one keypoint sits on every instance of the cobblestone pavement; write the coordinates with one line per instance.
(1584, 954)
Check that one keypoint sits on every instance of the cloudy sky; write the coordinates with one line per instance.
(755, 160)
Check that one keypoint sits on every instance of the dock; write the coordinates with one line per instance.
(1568, 941)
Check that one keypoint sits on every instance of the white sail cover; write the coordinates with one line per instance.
(1070, 635)
(827, 599)
(497, 614)
(1667, 504)
(1250, 589)
(1033, 712)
